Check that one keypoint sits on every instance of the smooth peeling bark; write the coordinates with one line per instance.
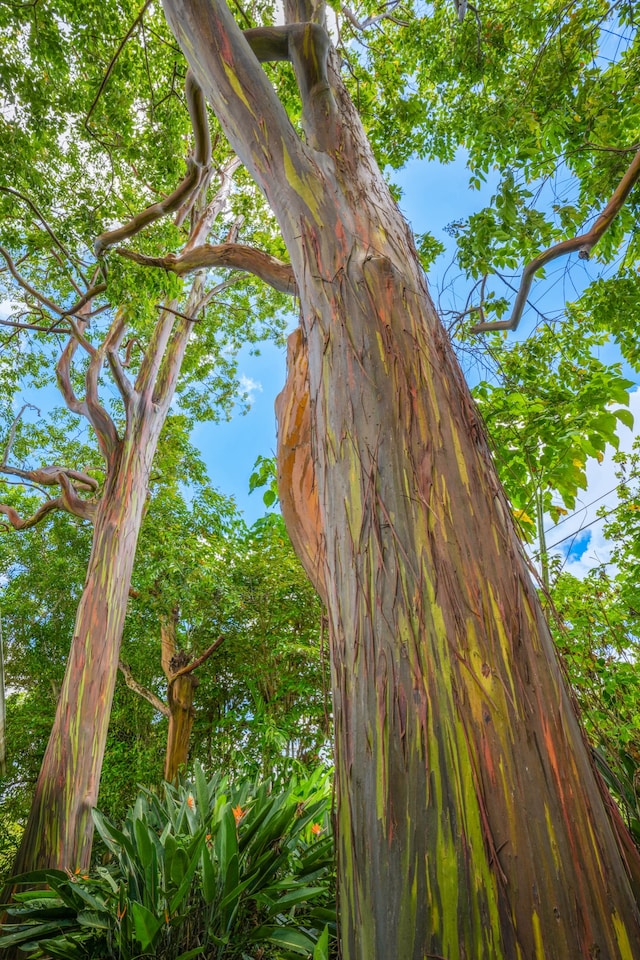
(470, 823)
(59, 830)
(297, 489)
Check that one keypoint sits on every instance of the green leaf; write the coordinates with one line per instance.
(146, 925)
(321, 949)
(285, 937)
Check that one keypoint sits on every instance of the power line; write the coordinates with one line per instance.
(632, 476)
(585, 527)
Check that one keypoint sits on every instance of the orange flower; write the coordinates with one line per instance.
(316, 829)
(238, 813)
(191, 802)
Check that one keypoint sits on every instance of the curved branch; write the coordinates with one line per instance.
(133, 684)
(190, 667)
(90, 407)
(247, 106)
(584, 244)
(68, 500)
(72, 503)
(307, 46)
(63, 376)
(50, 476)
(19, 524)
(98, 417)
(232, 255)
(197, 167)
(123, 383)
(85, 298)
(49, 304)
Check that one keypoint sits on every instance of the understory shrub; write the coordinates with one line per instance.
(221, 870)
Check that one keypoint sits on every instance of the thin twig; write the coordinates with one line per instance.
(114, 60)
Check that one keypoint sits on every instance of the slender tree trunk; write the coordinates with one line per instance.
(470, 823)
(180, 691)
(59, 830)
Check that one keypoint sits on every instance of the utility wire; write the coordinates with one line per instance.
(632, 476)
(580, 529)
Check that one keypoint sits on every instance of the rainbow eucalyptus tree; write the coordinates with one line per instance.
(59, 829)
(470, 822)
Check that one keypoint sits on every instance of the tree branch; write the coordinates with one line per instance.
(112, 347)
(72, 503)
(235, 256)
(133, 684)
(68, 500)
(307, 46)
(370, 21)
(63, 375)
(168, 626)
(190, 667)
(50, 476)
(12, 432)
(583, 244)
(33, 326)
(98, 417)
(91, 293)
(49, 304)
(58, 243)
(197, 167)
(114, 60)
(201, 229)
(252, 116)
(18, 524)
(152, 358)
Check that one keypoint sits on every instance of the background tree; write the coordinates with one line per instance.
(194, 550)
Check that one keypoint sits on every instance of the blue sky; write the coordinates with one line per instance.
(434, 195)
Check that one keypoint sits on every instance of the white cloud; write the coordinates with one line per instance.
(249, 387)
(600, 492)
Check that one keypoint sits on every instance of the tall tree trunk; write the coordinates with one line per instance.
(470, 822)
(59, 830)
(180, 691)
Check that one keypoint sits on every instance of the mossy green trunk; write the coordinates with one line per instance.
(59, 830)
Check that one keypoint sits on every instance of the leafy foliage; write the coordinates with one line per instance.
(214, 868)
(554, 407)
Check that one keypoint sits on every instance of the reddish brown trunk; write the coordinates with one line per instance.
(180, 691)
(181, 714)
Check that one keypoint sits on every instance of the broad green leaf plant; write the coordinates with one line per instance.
(211, 868)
